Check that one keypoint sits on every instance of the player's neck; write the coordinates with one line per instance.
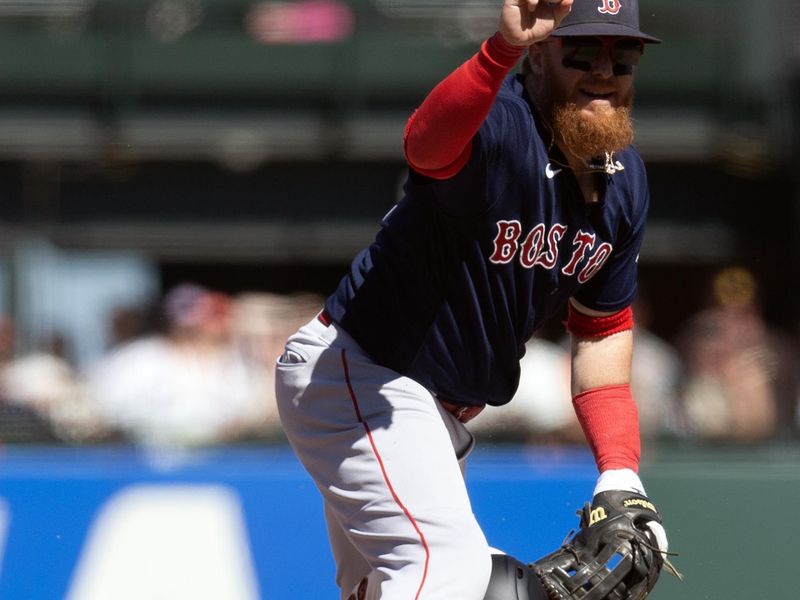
(590, 181)
(592, 185)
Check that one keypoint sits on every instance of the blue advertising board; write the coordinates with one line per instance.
(233, 523)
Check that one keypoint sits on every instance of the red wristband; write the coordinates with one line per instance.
(610, 421)
(587, 326)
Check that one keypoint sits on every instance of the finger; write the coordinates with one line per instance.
(660, 535)
(561, 8)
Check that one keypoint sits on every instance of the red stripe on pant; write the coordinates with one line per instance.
(385, 474)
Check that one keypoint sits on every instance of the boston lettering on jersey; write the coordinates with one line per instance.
(539, 248)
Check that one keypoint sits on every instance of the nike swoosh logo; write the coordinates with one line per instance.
(548, 170)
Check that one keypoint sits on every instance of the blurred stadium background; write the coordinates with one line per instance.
(197, 174)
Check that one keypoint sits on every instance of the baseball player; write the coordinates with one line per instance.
(523, 194)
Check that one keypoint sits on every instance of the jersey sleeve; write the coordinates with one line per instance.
(614, 286)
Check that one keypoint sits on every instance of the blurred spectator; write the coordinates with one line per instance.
(186, 387)
(656, 374)
(34, 390)
(126, 324)
(742, 381)
(263, 321)
(261, 324)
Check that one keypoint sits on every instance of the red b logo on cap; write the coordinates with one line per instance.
(610, 7)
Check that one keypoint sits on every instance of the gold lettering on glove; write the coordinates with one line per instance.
(596, 515)
(639, 502)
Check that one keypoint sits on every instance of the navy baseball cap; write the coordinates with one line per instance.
(604, 17)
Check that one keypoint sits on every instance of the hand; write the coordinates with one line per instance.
(642, 513)
(526, 22)
(635, 507)
(615, 553)
(627, 480)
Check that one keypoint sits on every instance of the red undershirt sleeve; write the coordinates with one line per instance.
(610, 420)
(437, 140)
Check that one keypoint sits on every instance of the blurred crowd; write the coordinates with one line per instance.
(198, 370)
(727, 376)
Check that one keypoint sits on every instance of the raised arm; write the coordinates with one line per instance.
(438, 135)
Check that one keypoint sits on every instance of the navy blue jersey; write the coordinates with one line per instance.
(463, 271)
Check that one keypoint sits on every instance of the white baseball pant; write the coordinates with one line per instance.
(388, 460)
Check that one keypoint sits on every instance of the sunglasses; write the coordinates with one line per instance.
(583, 51)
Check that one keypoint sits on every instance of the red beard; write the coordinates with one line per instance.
(592, 134)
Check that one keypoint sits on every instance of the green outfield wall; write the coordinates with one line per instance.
(732, 516)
